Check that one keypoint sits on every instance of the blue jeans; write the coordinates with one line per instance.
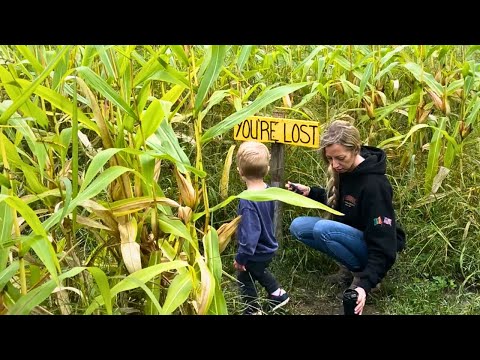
(342, 242)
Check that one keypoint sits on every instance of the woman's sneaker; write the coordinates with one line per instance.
(342, 277)
(276, 302)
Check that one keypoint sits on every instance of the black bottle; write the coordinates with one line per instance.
(349, 301)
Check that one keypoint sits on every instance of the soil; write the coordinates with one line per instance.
(310, 294)
(307, 302)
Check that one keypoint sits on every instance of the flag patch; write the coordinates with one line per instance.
(379, 221)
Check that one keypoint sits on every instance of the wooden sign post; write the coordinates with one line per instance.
(277, 169)
(278, 131)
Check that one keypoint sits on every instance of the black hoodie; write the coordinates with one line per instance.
(365, 197)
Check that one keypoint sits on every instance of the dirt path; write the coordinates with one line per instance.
(311, 295)
(308, 302)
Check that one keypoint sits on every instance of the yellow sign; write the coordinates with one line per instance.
(285, 131)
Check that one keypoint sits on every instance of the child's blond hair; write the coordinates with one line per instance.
(253, 160)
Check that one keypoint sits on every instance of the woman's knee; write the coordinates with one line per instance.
(302, 226)
(295, 227)
(322, 231)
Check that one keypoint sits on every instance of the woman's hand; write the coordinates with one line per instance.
(298, 188)
(362, 297)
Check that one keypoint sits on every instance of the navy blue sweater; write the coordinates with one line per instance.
(255, 234)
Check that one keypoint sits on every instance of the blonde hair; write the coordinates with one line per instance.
(253, 160)
(338, 132)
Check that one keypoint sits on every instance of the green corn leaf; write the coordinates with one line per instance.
(157, 69)
(31, 89)
(100, 85)
(4, 181)
(97, 164)
(389, 54)
(472, 116)
(68, 196)
(165, 142)
(61, 70)
(454, 85)
(178, 292)
(27, 213)
(37, 148)
(6, 225)
(212, 253)
(436, 145)
(343, 62)
(169, 76)
(61, 103)
(273, 193)
(175, 227)
(449, 156)
(147, 70)
(36, 296)
(142, 275)
(150, 121)
(261, 102)
(143, 95)
(387, 70)
(364, 81)
(103, 286)
(27, 54)
(218, 306)
(243, 57)
(7, 273)
(215, 99)
(180, 53)
(99, 184)
(286, 196)
(308, 58)
(29, 109)
(88, 55)
(224, 203)
(386, 110)
(152, 298)
(150, 307)
(211, 74)
(173, 94)
(106, 60)
(424, 77)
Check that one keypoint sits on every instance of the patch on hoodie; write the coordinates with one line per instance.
(379, 221)
(349, 201)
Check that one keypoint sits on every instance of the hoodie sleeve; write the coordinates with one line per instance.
(318, 194)
(248, 234)
(379, 234)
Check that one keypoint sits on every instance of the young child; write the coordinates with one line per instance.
(255, 234)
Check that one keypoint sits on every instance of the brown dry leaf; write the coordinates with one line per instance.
(129, 247)
(187, 193)
(437, 181)
(224, 181)
(207, 284)
(132, 205)
(226, 231)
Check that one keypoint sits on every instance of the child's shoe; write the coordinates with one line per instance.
(277, 302)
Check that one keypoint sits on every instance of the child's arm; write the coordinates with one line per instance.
(248, 233)
(238, 266)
